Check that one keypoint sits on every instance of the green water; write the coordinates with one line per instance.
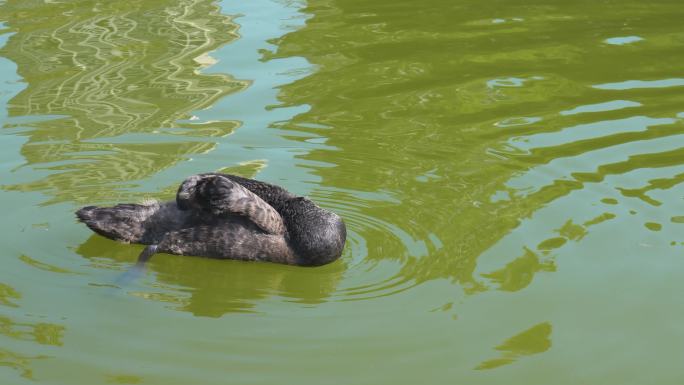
(510, 173)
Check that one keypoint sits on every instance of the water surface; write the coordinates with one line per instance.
(510, 173)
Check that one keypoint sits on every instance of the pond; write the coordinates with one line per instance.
(510, 173)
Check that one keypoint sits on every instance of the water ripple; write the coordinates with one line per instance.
(364, 229)
(108, 76)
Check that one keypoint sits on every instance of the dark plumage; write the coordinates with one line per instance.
(229, 217)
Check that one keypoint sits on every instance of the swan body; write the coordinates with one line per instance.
(228, 217)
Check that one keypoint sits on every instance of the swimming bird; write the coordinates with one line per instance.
(228, 217)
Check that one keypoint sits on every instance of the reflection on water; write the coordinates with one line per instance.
(500, 140)
(534, 340)
(7, 295)
(501, 163)
(20, 363)
(211, 288)
(398, 116)
(97, 71)
(110, 99)
(42, 333)
(123, 379)
(453, 159)
(518, 274)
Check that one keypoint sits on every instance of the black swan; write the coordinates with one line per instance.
(229, 217)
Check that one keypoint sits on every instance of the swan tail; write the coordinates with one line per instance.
(123, 222)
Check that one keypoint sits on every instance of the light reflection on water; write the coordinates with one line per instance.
(512, 190)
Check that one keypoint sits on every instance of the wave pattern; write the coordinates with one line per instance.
(488, 130)
(511, 174)
(99, 71)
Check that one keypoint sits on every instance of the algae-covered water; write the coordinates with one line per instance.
(510, 172)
